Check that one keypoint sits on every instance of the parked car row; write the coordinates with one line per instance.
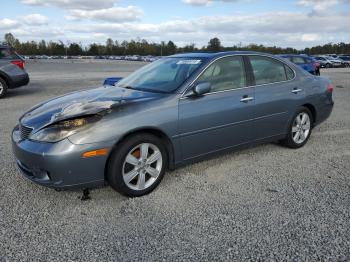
(312, 64)
(148, 58)
(307, 63)
(328, 61)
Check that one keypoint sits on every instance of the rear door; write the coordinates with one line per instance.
(221, 118)
(276, 95)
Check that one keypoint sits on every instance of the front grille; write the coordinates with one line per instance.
(25, 131)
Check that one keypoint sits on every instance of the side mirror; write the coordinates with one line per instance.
(112, 80)
(201, 89)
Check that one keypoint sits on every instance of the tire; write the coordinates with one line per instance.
(292, 140)
(3, 88)
(328, 65)
(127, 162)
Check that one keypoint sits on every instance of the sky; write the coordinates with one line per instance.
(284, 23)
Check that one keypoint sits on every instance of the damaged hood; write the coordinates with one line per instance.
(82, 103)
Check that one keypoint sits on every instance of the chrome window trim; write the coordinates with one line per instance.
(183, 96)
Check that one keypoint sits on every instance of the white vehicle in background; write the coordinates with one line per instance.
(328, 61)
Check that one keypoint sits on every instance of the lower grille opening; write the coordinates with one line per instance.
(25, 131)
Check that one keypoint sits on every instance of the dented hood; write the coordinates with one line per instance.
(82, 103)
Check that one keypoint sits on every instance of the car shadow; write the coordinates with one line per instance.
(105, 193)
(24, 91)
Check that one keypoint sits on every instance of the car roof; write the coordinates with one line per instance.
(211, 55)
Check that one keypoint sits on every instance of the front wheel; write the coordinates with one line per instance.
(300, 129)
(138, 165)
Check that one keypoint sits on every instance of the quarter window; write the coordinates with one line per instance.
(224, 74)
(289, 72)
(267, 70)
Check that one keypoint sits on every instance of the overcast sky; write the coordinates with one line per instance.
(294, 23)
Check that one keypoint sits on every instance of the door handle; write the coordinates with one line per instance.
(247, 99)
(296, 90)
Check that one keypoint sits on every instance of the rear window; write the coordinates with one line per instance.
(7, 53)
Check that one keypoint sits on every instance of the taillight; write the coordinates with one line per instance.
(330, 88)
(18, 63)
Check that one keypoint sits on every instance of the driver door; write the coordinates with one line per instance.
(222, 118)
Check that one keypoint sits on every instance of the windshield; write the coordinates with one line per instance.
(164, 75)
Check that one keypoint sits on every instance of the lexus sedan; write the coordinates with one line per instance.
(174, 111)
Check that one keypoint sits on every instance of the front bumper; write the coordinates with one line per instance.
(59, 165)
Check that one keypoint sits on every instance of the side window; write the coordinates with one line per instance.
(289, 72)
(267, 70)
(224, 74)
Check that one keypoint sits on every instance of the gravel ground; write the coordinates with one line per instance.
(263, 203)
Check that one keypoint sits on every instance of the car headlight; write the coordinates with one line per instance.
(63, 129)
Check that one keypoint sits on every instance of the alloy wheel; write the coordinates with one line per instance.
(301, 128)
(142, 166)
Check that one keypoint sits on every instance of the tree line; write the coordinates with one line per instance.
(143, 47)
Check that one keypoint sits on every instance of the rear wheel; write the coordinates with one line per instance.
(138, 165)
(3, 88)
(300, 129)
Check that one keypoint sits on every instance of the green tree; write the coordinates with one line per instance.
(109, 46)
(74, 49)
(42, 47)
(214, 45)
(10, 39)
(170, 48)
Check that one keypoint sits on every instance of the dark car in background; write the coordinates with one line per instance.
(174, 111)
(307, 63)
(12, 71)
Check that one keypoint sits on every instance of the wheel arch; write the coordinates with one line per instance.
(6, 78)
(150, 130)
(312, 110)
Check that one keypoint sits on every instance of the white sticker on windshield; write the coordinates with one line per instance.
(188, 62)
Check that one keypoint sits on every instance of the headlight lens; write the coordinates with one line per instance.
(63, 129)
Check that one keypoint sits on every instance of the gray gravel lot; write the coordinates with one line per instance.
(263, 203)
